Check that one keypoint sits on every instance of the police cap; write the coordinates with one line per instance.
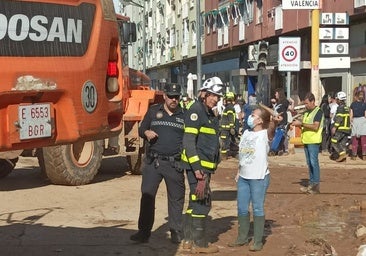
(172, 89)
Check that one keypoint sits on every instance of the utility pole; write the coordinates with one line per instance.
(198, 44)
(143, 39)
(315, 88)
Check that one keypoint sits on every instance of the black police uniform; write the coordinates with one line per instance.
(161, 162)
(200, 152)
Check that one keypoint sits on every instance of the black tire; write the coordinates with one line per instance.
(6, 166)
(73, 164)
(135, 162)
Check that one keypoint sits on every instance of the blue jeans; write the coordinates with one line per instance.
(312, 160)
(252, 191)
(278, 138)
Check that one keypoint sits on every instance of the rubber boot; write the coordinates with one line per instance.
(187, 232)
(258, 233)
(200, 244)
(243, 230)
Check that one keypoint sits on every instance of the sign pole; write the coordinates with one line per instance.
(315, 88)
(288, 84)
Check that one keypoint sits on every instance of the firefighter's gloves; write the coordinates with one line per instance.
(232, 131)
(202, 185)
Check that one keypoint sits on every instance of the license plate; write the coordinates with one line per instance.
(34, 121)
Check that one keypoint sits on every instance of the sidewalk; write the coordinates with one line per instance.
(298, 160)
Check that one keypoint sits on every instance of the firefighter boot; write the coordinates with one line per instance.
(200, 244)
(258, 233)
(342, 156)
(243, 230)
(187, 232)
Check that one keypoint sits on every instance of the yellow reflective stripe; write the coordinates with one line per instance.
(183, 156)
(193, 198)
(189, 211)
(191, 130)
(190, 160)
(207, 130)
(208, 165)
(193, 159)
(198, 216)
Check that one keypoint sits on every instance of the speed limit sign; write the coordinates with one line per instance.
(289, 53)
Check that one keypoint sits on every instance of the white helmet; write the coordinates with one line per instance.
(211, 81)
(341, 96)
(216, 89)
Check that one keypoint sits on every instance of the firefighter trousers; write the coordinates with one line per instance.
(197, 208)
(340, 142)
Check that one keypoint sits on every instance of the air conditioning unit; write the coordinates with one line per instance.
(359, 3)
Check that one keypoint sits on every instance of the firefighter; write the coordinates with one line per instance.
(162, 128)
(200, 157)
(341, 129)
(228, 127)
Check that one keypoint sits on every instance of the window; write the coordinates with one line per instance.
(259, 12)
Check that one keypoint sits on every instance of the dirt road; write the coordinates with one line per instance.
(37, 218)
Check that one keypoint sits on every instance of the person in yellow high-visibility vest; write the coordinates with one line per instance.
(311, 136)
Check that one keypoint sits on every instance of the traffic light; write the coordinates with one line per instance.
(262, 54)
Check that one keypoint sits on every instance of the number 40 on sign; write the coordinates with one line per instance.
(289, 53)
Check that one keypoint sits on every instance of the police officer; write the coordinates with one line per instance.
(228, 126)
(200, 158)
(162, 128)
(341, 128)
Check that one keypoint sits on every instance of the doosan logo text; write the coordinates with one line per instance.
(38, 28)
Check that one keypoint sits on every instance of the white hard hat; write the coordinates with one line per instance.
(216, 89)
(341, 96)
(211, 81)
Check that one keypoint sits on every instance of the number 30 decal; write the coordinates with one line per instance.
(89, 97)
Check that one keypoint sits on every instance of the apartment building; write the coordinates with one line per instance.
(230, 31)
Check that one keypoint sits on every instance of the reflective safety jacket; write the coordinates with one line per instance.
(200, 139)
(228, 117)
(309, 136)
(342, 120)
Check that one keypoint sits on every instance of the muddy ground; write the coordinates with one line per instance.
(37, 218)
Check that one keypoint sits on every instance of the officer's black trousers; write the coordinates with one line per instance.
(151, 179)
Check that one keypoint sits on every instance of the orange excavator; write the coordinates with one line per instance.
(66, 89)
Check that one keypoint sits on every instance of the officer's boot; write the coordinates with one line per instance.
(187, 232)
(200, 244)
(258, 233)
(243, 230)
